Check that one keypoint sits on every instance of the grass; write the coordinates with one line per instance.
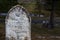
(37, 30)
(2, 31)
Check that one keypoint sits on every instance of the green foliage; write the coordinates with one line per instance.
(5, 5)
(56, 7)
(38, 7)
(32, 7)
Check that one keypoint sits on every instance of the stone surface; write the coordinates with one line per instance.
(17, 23)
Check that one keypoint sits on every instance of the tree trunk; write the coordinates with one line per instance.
(52, 14)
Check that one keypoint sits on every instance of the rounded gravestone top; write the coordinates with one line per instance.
(18, 22)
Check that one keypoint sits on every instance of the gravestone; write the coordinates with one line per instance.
(18, 24)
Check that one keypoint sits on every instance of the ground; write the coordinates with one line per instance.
(35, 32)
(2, 31)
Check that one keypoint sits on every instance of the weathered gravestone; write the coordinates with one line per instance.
(18, 26)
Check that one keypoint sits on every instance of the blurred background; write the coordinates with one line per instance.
(45, 15)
